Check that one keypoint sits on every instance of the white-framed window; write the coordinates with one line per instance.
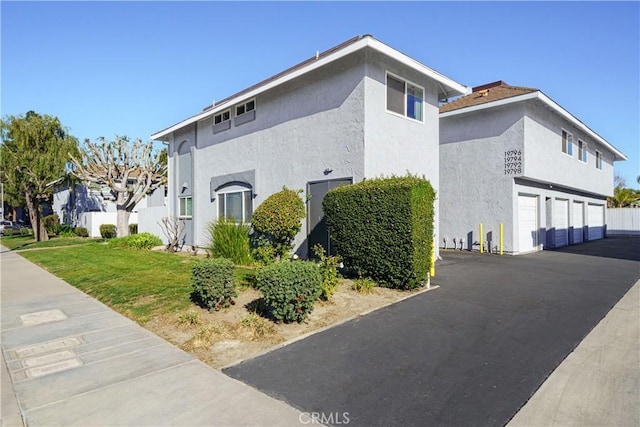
(567, 143)
(222, 117)
(235, 203)
(246, 107)
(405, 98)
(186, 207)
(598, 160)
(582, 151)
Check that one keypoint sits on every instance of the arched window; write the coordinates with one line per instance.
(235, 202)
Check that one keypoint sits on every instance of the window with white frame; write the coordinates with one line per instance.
(186, 207)
(404, 98)
(246, 107)
(221, 117)
(598, 160)
(582, 151)
(235, 203)
(567, 143)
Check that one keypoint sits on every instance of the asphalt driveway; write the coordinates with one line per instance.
(470, 353)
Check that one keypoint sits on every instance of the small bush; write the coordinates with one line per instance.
(133, 228)
(26, 231)
(263, 252)
(190, 318)
(329, 269)
(108, 231)
(278, 220)
(290, 289)
(81, 232)
(66, 233)
(213, 283)
(230, 240)
(136, 241)
(51, 224)
(363, 285)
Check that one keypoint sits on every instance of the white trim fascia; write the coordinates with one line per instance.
(367, 41)
(549, 102)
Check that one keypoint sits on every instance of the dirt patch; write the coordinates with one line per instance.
(221, 338)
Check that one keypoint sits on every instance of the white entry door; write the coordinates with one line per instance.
(561, 222)
(578, 222)
(596, 221)
(527, 223)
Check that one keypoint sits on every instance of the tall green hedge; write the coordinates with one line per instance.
(383, 228)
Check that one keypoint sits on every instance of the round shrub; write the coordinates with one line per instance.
(290, 289)
(278, 219)
(213, 283)
(133, 228)
(81, 232)
(108, 231)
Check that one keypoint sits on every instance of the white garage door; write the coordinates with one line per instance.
(578, 222)
(527, 223)
(596, 221)
(561, 222)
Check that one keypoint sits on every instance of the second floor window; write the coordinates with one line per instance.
(404, 98)
(221, 117)
(582, 151)
(598, 160)
(567, 143)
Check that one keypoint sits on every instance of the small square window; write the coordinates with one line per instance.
(222, 117)
(246, 107)
(404, 98)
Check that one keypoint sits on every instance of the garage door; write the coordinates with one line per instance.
(596, 221)
(561, 222)
(578, 222)
(527, 223)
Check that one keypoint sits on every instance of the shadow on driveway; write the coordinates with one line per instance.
(470, 353)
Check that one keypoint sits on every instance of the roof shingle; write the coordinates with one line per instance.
(486, 93)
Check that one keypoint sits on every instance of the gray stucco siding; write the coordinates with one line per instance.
(545, 161)
(474, 186)
(300, 130)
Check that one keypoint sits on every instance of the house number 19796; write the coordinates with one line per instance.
(512, 162)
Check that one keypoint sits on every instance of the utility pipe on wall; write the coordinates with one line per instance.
(481, 242)
(432, 265)
(501, 238)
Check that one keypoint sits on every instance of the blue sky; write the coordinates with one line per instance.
(133, 68)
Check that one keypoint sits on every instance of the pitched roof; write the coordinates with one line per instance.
(486, 93)
(447, 86)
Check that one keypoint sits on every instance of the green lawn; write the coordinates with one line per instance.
(138, 283)
(28, 242)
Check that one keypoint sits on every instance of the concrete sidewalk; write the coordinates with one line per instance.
(69, 360)
(598, 384)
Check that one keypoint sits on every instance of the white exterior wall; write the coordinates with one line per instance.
(546, 162)
(474, 187)
(623, 221)
(93, 220)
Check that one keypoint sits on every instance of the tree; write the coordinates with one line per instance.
(622, 196)
(34, 156)
(131, 170)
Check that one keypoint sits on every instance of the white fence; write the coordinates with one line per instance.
(149, 221)
(93, 220)
(623, 221)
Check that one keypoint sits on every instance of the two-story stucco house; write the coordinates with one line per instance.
(359, 110)
(511, 155)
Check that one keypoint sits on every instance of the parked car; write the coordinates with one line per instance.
(8, 227)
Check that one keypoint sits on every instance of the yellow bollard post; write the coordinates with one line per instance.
(501, 238)
(432, 264)
(481, 242)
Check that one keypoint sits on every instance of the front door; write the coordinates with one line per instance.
(316, 224)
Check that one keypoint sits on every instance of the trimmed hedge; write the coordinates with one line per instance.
(108, 231)
(213, 283)
(384, 228)
(133, 228)
(278, 220)
(290, 289)
(81, 231)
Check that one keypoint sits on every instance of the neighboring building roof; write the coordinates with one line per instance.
(500, 93)
(448, 87)
(486, 93)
